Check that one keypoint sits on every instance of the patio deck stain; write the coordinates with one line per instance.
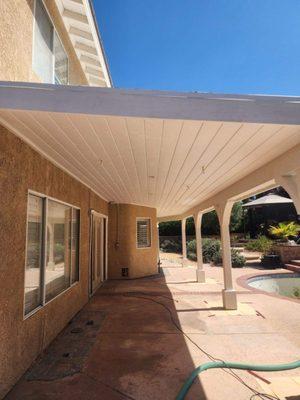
(68, 353)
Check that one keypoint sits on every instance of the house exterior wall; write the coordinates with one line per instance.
(140, 262)
(16, 42)
(21, 169)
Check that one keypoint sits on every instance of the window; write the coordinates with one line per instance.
(52, 253)
(34, 253)
(61, 62)
(143, 228)
(50, 61)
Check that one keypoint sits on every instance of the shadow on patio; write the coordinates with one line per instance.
(125, 344)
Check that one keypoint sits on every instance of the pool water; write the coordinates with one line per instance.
(283, 284)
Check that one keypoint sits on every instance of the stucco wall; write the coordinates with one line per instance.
(140, 262)
(16, 42)
(21, 168)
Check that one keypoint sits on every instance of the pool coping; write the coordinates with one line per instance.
(242, 281)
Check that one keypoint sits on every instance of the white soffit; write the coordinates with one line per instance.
(79, 20)
(165, 150)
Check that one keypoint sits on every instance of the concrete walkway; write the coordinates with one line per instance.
(137, 349)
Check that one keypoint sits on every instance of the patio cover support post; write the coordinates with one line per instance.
(229, 294)
(200, 270)
(183, 238)
(291, 183)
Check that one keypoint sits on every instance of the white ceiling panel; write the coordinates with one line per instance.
(167, 163)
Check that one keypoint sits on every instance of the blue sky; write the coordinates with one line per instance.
(220, 46)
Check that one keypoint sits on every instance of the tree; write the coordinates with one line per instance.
(237, 218)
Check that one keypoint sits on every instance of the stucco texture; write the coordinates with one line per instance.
(140, 262)
(21, 169)
(16, 42)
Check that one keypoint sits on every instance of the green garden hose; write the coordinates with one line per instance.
(222, 364)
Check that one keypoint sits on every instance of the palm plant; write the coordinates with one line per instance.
(284, 230)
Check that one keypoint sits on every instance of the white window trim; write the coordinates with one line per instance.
(54, 31)
(44, 240)
(136, 233)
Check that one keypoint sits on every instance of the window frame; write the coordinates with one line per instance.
(150, 232)
(55, 32)
(42, 282)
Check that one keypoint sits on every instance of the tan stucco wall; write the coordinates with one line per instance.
(141, 262)
(21, 168)
(16, 42)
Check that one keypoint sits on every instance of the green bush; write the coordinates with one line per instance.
(170, 246)
(262, 244)
(237, 259)
(191, 246)
(191, 250)
(59, 252)
(192, 256)
(209, 248)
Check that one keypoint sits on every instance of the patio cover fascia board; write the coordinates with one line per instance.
(150, 104)
(260, 180)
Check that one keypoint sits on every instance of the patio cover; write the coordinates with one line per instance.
(166, 150)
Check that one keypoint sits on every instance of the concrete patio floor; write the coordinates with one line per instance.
(139, 353)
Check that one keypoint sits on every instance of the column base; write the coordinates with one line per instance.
(229, 299)
(200, 275)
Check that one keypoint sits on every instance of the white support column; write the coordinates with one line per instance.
(228, 293)
(183, 238)
(291, 183)
(200, 270)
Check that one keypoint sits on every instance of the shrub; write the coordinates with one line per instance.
(191, 246)
(191, 250)
(192, 256)
(296, 292)
(170, 246)
(209, 248)
(59, 252)
(262, 244)
(237, 259)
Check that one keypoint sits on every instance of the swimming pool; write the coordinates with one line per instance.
(287, 285)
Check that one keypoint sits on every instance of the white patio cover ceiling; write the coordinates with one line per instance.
(166, 150)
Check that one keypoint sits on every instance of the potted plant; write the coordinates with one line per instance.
(268, 259)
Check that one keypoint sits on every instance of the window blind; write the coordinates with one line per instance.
(143, 233)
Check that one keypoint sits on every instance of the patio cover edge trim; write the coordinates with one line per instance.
(150, 104)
